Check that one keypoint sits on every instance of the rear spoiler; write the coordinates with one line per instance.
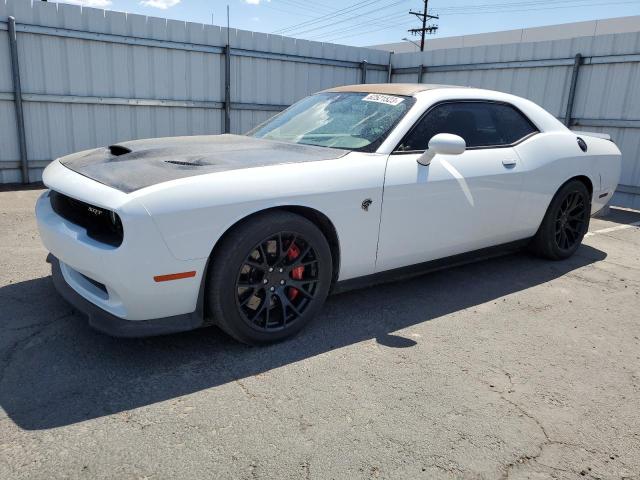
(604, 136)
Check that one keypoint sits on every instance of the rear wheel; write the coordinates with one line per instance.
(269, 278)
(565, 223)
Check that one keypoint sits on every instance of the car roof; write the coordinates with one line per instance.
(390, 88)
(428, 94)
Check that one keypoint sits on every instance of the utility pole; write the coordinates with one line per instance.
(424, 17)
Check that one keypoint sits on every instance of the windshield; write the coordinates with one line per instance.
(353, 121)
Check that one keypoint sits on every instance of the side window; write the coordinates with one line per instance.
(481, 124)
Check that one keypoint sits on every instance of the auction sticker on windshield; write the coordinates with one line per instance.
(379, 98)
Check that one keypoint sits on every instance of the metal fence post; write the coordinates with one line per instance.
(363, 68)
(227, 89)
(389, 69)
(572, 89)
(17, 95)
(420, 70)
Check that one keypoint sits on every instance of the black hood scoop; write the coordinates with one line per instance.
(118, 150)
(130, 166)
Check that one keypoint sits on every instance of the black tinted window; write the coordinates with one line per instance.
(481, 124)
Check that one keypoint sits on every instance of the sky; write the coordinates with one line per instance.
(370, 22)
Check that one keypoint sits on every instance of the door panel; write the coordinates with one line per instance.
(455, 205)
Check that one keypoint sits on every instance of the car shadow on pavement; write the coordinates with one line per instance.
(56, 371)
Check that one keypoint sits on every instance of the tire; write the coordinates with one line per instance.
(565, 223)
(269, 278)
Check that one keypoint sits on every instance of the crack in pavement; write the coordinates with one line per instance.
(523, 459)
(245, 390)
(547, 442)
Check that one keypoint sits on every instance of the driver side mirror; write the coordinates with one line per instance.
(443, 144)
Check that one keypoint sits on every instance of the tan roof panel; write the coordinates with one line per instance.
(389, 88)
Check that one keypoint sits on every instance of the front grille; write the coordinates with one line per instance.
(101, 224)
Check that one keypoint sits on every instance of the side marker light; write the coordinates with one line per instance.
(174, 276)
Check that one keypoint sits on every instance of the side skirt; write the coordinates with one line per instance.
(411, 271)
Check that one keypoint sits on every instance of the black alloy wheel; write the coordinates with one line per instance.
(269, 277)
(277, 281)
(571, 220)
(565, 222)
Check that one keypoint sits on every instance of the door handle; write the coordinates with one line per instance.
(509, 162)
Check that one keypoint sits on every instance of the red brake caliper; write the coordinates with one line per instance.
(297, 272)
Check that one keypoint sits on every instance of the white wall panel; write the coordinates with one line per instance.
(6, 83)
(9, 150)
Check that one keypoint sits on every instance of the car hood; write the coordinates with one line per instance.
(130, 166)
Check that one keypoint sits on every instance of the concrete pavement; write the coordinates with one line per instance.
(513, 367)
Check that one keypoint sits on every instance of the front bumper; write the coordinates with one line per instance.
(125, 273)
(119, 281)
(108, 323)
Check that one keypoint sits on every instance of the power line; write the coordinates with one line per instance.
(396, 25)
(381, 21)
(336, 13)
(326, 20)
(317, 8)
(349, 19)
(387, 19)
(424, 16)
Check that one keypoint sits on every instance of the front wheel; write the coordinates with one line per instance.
(269, 278)
(565, 223)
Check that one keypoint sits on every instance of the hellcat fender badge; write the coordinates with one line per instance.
(366, 203)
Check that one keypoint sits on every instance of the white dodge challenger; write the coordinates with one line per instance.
(345, 188)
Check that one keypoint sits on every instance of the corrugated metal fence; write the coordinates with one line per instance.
(91, 77)
(590, 83)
